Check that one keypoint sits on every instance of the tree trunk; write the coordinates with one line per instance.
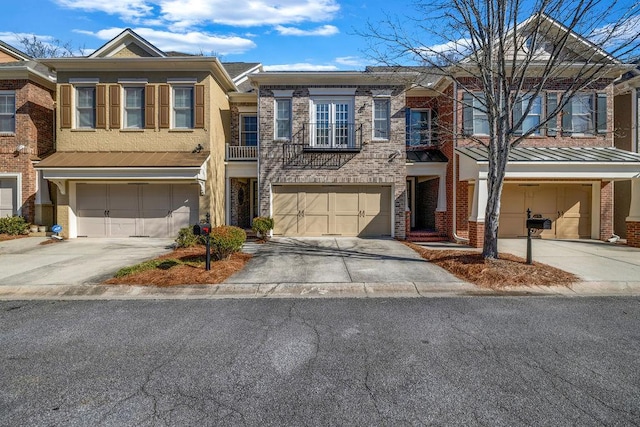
(498, 156)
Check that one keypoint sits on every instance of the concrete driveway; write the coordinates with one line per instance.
(338, 260)
(591, 260)
(75, 261)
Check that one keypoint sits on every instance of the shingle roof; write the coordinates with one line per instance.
(236, 69)
(136, 159)
(556, 154)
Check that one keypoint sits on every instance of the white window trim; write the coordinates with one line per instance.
(10, 92)
(543, 110)
(430, 118)
(473, 111)
(593, 113)
(240, 130)
(275, 117)
(172, 105)
(373, 118)
(124, 104)
(350, 100)
(75, 105)
(332, 91)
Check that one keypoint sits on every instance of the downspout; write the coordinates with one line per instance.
(457, 238)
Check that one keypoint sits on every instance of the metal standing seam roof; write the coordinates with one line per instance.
(556, 154)
(138, 159)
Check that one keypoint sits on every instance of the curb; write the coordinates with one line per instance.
(306, 290)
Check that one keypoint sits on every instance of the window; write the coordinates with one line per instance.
(7, 112)
(332, 126)
(134, 107)
(283, 118)
(183, 107)
(86, 107)
(480, 120)
(381, 115)
(534, 116)
(249, 130)
(420, 126)
(585, 114)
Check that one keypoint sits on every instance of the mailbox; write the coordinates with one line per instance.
(203, 229)
(539, 223)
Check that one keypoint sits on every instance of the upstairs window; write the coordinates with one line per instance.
(249, 130)
(134, 107)
(534, 116)
(183, 107)
(7, 112)
(86, 107)
(420, 126)
(585, 114)
(381, 118)
(332, 125)
(283, 118)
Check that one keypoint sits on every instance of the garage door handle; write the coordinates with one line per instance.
(169, 214)
(106, 213)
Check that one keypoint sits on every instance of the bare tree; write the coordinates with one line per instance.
(38, 48)
(510, 51)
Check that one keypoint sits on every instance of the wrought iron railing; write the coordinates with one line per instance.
(329, 136)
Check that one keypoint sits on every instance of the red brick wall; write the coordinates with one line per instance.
(606, 209)
(34, 130)
(476, 234)
(633, 234)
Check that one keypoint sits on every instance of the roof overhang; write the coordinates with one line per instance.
(621, 165)
(249, 97)
(355, 78)
(27, 72)
(172, 63)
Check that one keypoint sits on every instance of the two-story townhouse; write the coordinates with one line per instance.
(627, 135)
(140, 140)
(26, 134)
(331, 158)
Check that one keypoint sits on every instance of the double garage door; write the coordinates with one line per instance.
(568, 206)
(141, 210)
(363, 211)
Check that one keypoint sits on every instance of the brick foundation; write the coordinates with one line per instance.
(476, 234)
(441, 223)
(633, 234)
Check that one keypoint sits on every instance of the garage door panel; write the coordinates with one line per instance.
(8, 196)
(123, 197)
(122, 223)
(91, 196)
(347, 225)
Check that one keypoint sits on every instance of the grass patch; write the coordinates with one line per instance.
(508, 270)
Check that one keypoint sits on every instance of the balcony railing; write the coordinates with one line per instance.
(241, 152)
(329, 137)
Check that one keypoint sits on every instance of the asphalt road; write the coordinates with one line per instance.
(459, 361)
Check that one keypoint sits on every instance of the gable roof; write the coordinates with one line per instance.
(13, 52)
(239, 73)
(123, 40)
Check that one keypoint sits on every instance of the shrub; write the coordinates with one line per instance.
(187, 239)
(14, 225)
(262, 225)
(226, 240)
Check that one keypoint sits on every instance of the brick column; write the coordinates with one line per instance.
(407, 223)
(633, 220)
(476, 234)
(441, 222)
(606, 209)
(633, 234)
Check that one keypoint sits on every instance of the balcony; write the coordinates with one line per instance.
(241, 152)
(322, 146)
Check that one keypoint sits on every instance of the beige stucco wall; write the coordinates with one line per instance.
(4, 57)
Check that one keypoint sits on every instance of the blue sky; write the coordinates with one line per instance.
(295, 34)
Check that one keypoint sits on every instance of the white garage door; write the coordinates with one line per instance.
(363, 211)
(568, 206)
(126, 210)
(8, 194)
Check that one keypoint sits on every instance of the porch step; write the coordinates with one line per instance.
(426, 236)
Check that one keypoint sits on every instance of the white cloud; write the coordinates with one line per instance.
(300, 66)
(188, 42)
(128, 10)
(351, 61)
(325, 30)
(616, 36)
(184, 14)
(13, 39)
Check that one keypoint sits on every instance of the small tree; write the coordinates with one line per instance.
(511, 50)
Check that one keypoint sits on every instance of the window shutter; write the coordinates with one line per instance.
(467, 114)
(163, 120)
(150, 107)
(517, 115)
(601, 113)
(552, 104)
(199, 105)
(407, 125)
(114, 107)
(567, 125)
(65, 106)
(101, 107)
(434, 127)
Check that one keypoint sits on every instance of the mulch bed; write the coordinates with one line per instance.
(4, 237)
(186, 274)
(508, 270)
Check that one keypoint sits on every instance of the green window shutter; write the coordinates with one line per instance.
(467, 114)
(517, 115)
(567, 123)
(552, 104)
(601, 113)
